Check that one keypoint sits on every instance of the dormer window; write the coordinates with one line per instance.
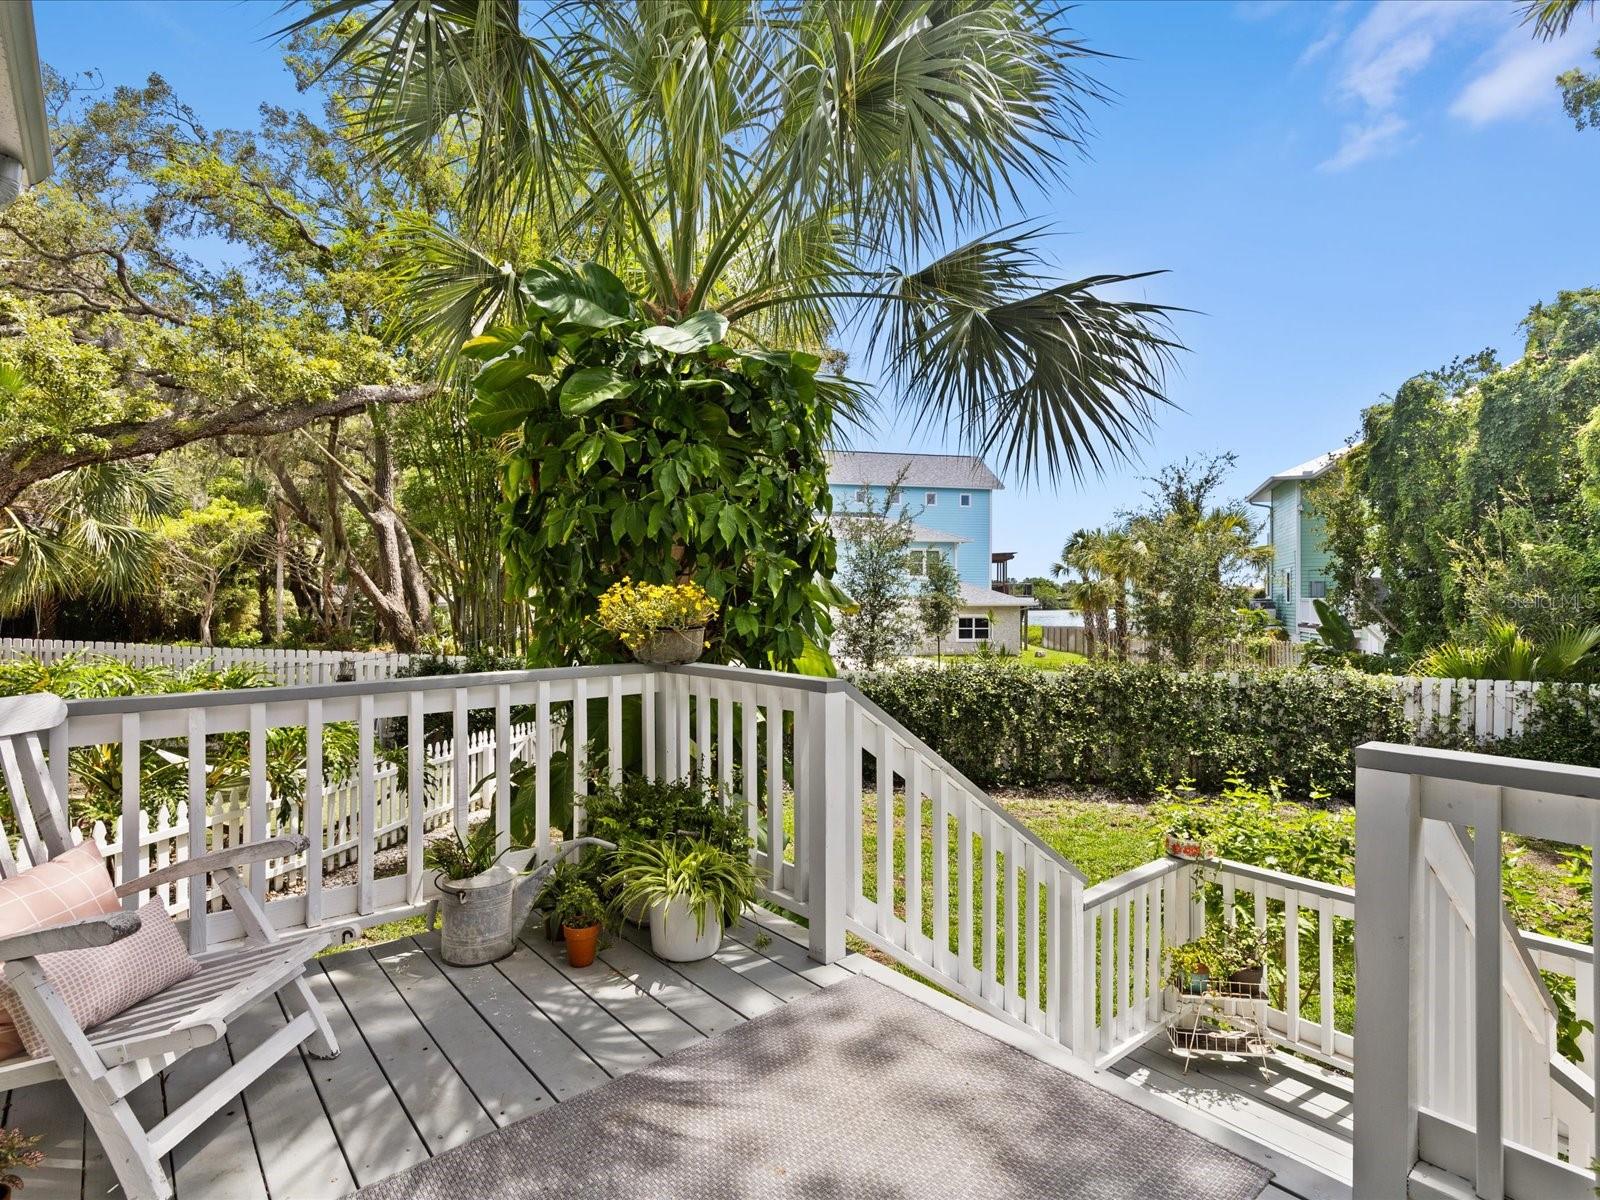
(966, 500)
(930, 498)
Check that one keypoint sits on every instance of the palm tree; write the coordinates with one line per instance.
(1552, 18)
(1507, 653)
(1091, 593)
(85, 534)
(802, 166)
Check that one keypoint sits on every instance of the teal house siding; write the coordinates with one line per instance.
(1315, 579)
(1285, 583)
(946, 514)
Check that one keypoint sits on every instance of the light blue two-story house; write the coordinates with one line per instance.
(1301, 571)
(948, 497)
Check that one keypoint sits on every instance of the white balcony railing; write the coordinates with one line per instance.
(1456, 1069)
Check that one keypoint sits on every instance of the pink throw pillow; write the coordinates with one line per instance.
(68, 888)
(98, 983)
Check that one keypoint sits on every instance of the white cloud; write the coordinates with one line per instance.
(1361, 142)
(1395, 41)
(1517, 78)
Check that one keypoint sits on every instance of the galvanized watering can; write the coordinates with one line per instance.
(483, 915)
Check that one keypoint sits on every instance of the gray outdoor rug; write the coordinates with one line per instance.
(858, 1091)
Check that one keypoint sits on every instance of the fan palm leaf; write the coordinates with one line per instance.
(800, 166)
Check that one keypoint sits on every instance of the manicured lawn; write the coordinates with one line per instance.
(1033, 656)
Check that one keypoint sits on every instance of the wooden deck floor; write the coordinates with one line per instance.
(434, 1056)
(1297, 1109)
(431, 1056)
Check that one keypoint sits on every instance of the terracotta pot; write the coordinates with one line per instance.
(1188, 848)
(581, 944)
(672, 647)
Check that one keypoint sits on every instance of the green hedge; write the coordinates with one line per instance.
(1138, 728)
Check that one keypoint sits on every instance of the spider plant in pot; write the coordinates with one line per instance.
(692, 889)
(16, 1150)
(581, 915)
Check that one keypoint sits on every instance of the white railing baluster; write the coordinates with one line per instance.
(964, 886)
(416, 795)
(1011, 988)
(128, 866)
(885, 827)
(502, 768)
(940, 859)
(1030, 875)
(196, 813)
(366, 820)
(543, 750)
(313, 825)
(614, 746)
(916, 782)
(460, 762)
(991, 867)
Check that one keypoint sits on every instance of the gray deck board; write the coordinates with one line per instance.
(744, 996)
(373, 1128)
(219, 1158)
(434, 1054)
(691, 1004)
(1232, 1095)
(652, 1022)
(295, 1141)
(507, 1090)
(440, 1104)
(554, 1058)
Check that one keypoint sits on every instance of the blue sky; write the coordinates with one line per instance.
(1345, 193)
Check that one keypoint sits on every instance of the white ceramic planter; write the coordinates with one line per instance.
(673, 936)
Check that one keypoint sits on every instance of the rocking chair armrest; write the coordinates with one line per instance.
(78, 935)
(233, 856)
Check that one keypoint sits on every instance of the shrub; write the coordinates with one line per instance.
(1138, 728)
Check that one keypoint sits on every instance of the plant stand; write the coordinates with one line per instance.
(1220, 1025)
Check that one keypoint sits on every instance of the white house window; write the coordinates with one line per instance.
(1318, 589)
(972, 629)
(914, 562)
(930, 498)
(966, 500)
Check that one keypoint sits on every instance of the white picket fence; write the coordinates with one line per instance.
(164, 839)
(290, 667)
(1484, 709)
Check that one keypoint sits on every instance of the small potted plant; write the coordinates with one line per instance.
(16, 1151)
(581, 914)
(1189, 966)
(1187, 831)
(661, 623)
(692, 890)
(1246, 960)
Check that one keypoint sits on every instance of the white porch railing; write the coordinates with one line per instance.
(1455, 1031)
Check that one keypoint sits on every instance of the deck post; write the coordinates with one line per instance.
(827, 865)
(1388, 873)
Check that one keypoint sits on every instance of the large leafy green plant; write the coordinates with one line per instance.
(658, 452)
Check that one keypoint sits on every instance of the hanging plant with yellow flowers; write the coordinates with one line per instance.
(636, 612)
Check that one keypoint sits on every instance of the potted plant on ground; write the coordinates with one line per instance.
(1187, 832)
(581, 915)
(16, 1151)
(692, 890)
(636, 809)
(477, 896)
(661, 623)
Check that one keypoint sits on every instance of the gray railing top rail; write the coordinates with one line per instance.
(326, 691)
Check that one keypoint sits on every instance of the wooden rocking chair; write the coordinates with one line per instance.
(104, 1064)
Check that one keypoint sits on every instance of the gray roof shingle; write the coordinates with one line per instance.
(880, 469)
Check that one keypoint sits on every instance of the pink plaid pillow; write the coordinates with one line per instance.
(68, 888)
(98, 983)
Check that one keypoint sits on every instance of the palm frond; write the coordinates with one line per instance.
(1552, 18)
(1051, 380)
